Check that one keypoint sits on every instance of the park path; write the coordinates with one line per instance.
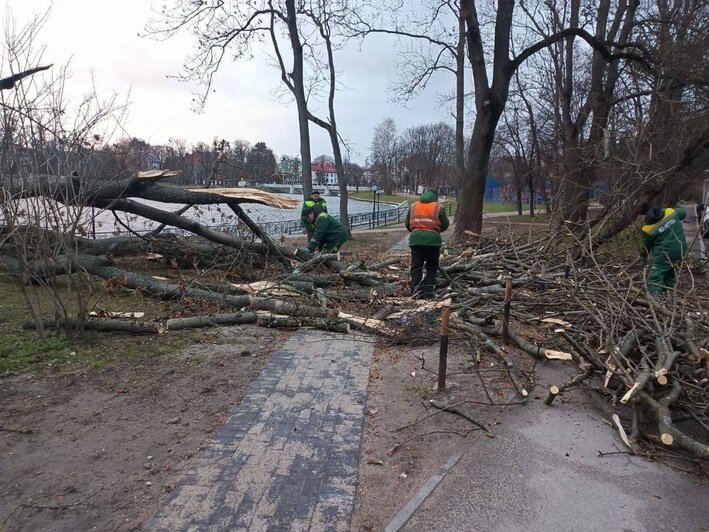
(544, 470)
(288, 455)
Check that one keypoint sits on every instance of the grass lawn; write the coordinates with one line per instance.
(452, 207)
(23, 350)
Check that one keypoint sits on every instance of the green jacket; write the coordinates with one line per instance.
(309, 204)
(665, 238)
(329, 233)
(427, 238)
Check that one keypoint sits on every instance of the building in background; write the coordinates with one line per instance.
(288, 170)
(324, 174)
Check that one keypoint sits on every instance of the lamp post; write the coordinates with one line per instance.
(374, 202)
(379, 204)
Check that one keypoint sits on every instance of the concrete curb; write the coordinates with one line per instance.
(422, 494)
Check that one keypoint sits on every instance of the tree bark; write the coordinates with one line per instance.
(460, 104)
(300, 98)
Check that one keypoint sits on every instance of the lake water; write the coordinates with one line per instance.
(220, 217)
(221, 214)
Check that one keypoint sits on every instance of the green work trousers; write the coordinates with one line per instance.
(333, 247)
(663, 275)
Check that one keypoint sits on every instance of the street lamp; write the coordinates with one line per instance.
(374, 202)
(379, 204)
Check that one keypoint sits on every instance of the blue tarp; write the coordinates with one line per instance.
(493, 188)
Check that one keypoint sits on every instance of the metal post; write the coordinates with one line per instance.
(443, 356)
(374, 205)
(506, 311)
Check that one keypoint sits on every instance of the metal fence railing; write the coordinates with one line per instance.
(370, 219)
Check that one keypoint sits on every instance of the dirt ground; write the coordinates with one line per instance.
(101, 448)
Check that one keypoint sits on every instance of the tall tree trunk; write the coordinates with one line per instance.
(519, 200)
(460, 105)
(470, 204)
(300, 99)
(341, 180)
(334, 140)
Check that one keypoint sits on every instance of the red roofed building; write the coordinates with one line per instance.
(324, 173)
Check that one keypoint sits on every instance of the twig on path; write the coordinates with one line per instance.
(424, 418)
(160, 402)
(455, 410)
(399, 445)
(18, 431)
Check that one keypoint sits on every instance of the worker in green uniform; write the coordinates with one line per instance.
(314, 201)
(328, 233)
(663, 238)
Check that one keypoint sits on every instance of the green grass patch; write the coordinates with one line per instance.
(526, 218)
(499, 207)
(20, 351)
(452, 207)
(25, 351)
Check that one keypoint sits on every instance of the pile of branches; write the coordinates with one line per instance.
(649, 355)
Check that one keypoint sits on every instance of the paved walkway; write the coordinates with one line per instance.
(287, 457)
(542, 471)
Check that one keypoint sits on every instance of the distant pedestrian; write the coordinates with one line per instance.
(663, 238)
(328, 233)
(314, 201)
(426, 220)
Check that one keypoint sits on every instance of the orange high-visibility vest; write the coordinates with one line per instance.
(425, 217)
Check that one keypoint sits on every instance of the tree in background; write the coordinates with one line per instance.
(385, 154)
(262, 162)
(428, 156)
(354, 173)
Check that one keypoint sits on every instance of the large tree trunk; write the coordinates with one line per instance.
(470, 204)
(460, 105)
(342, 184)
(300, 99)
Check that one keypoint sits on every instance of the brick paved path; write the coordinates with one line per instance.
(287, 457)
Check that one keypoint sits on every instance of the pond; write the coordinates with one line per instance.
(219, 216)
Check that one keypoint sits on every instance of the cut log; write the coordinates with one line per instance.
(102, 325)
(212, 320)
(293, 322)
(667, 438)
(553, 392)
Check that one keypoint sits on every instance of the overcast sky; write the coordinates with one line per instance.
(101, 38)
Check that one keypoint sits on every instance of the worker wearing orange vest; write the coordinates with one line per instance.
(426, 220)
